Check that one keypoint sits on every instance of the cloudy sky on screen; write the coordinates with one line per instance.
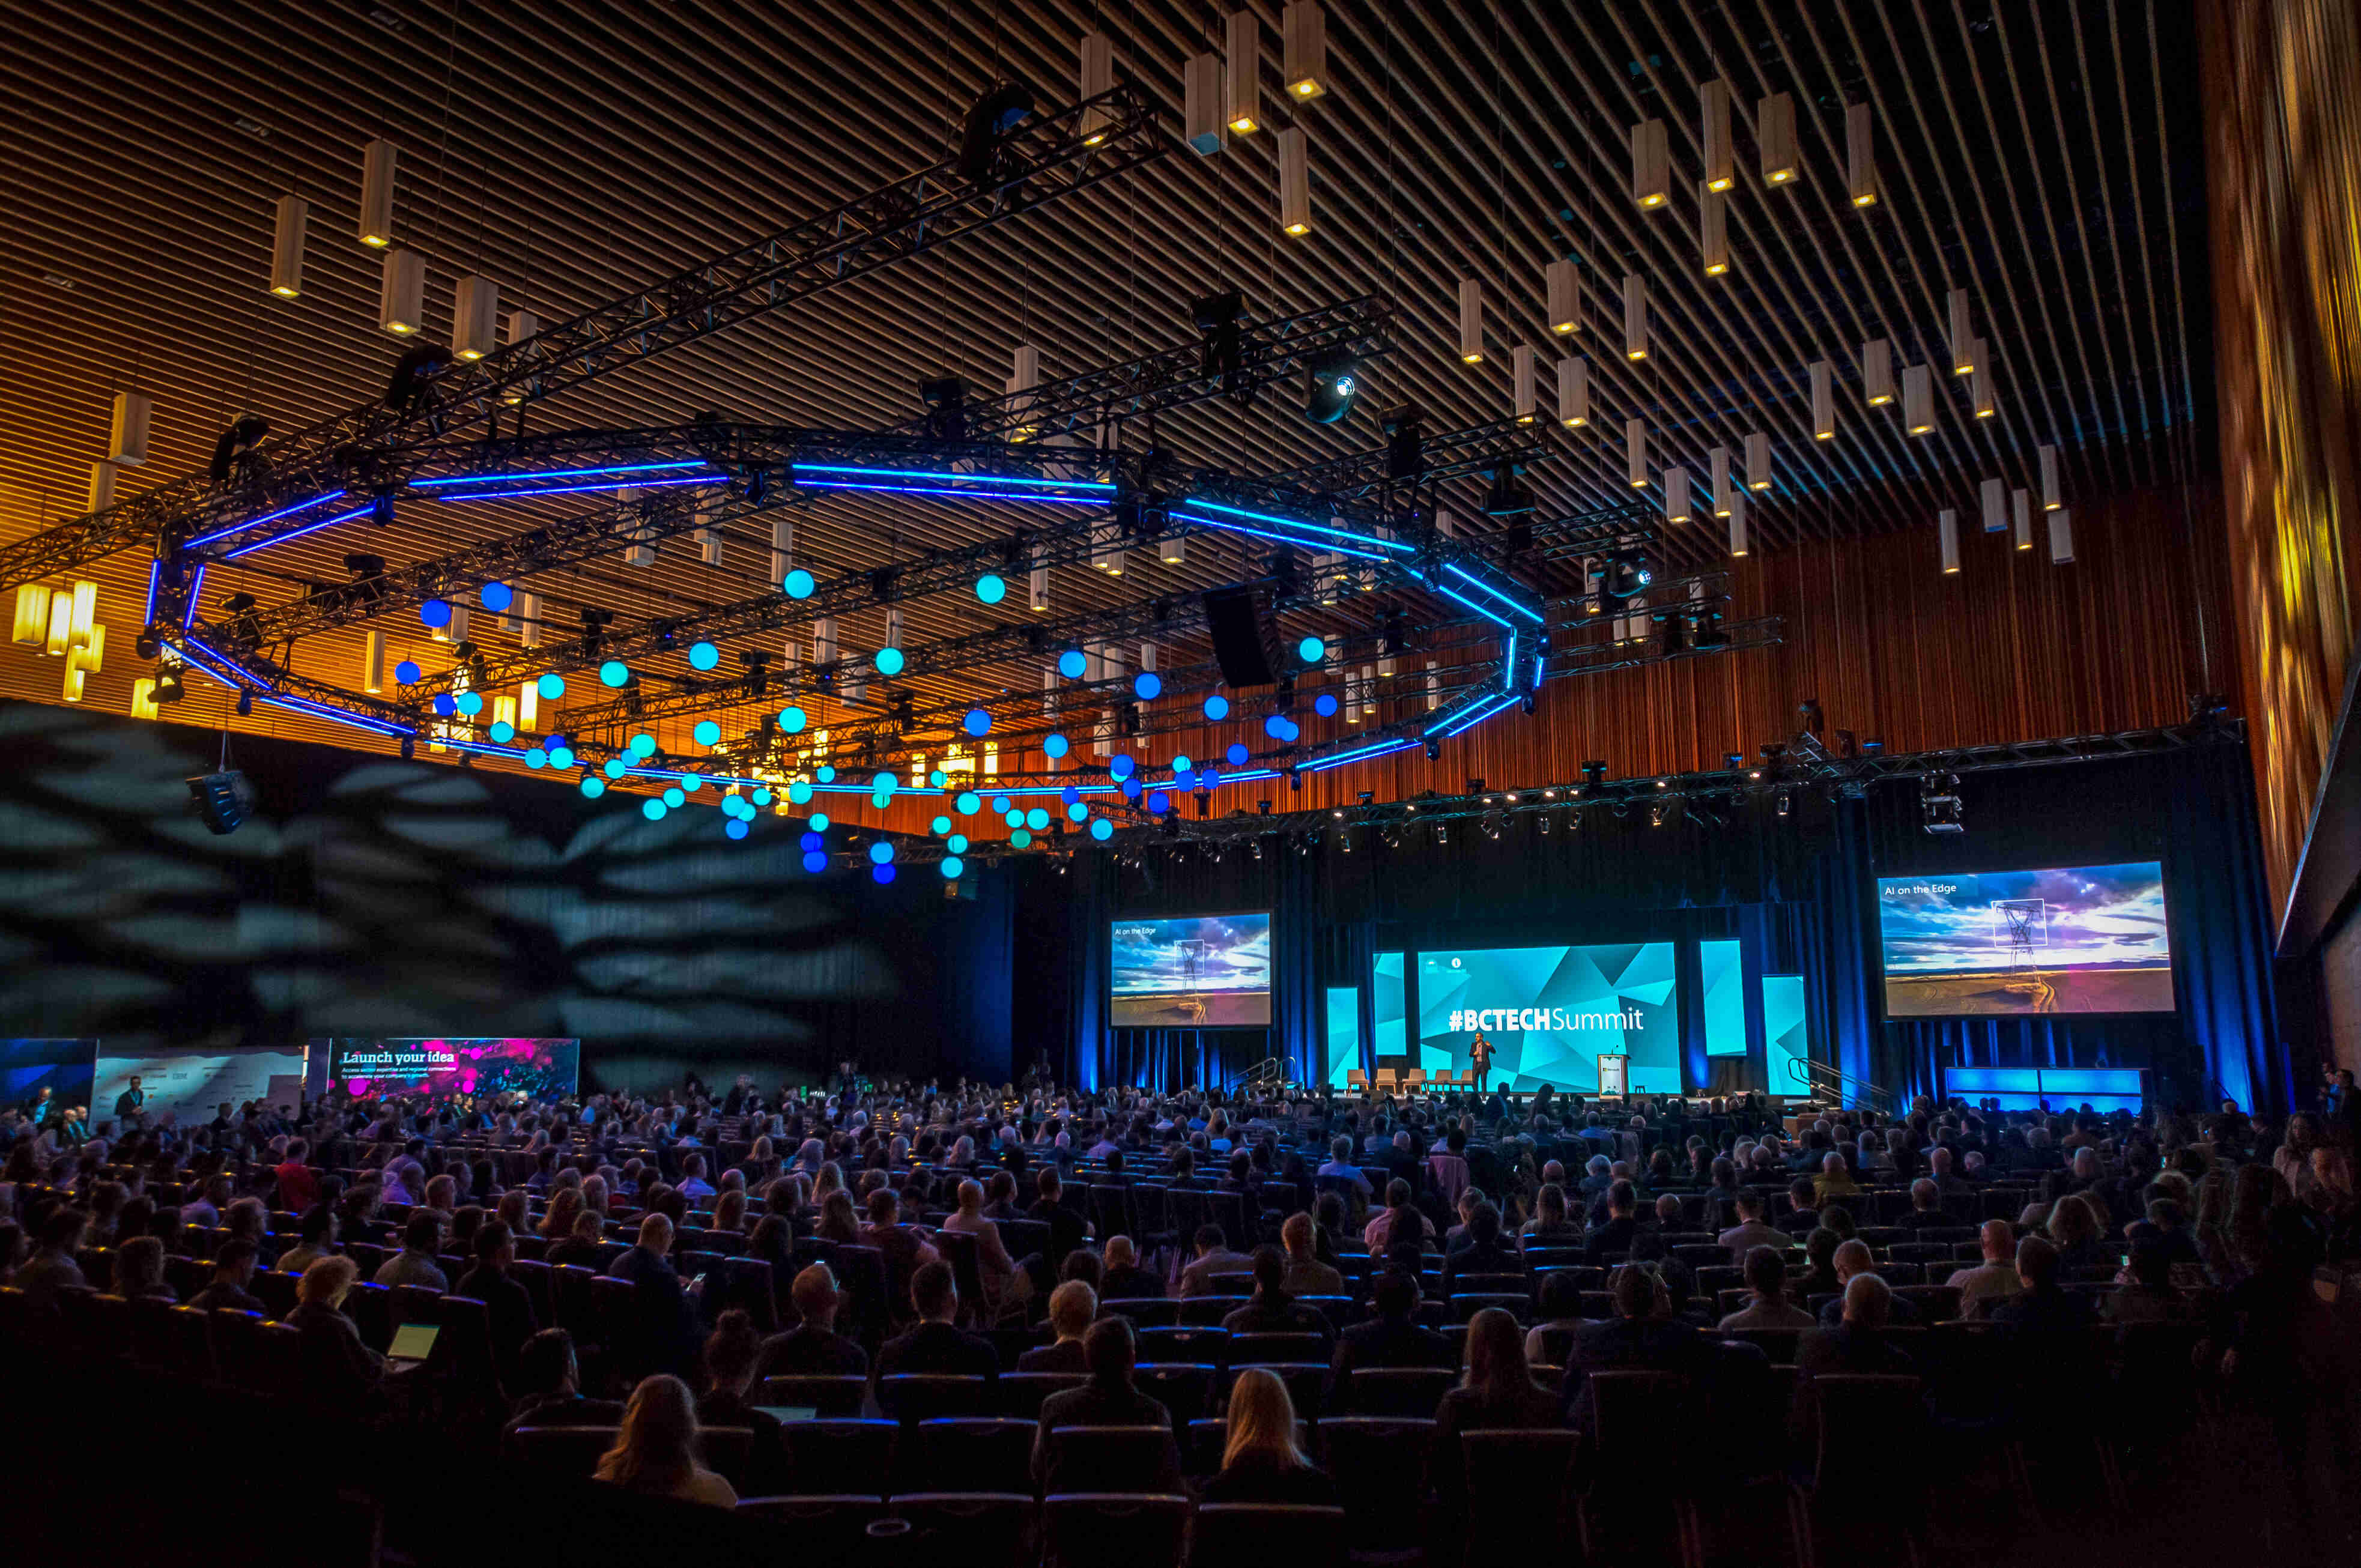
(1150, 960)
(2094, 915)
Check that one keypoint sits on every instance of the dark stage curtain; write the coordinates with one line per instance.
(1184, 1059)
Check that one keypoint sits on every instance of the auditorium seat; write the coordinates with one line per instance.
(973, 1529)
(1307, 1382)
(831, 1398)
(1394, 1391)
(564, 1451)
(1116, 1530)
(1377, 1461)
(832, 1456)
(1464, 1305)
(983, 1453)
(1211, 1344)
(1144, 1312)
(1518, 1484)
(1638, 1417)
(911, 1396)
(1296, 1534)
(1202, 1440)
(1184, 1388)
(1868, 1460)
(1107, 1458)
(1257, 1349)
(822, 1529)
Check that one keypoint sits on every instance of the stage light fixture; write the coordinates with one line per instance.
(1824, 401)
(1506, 496)
(990, 119)
(1713, 115)
(1877, 372)
(1627, 574)
(1713, 232)
(378, 160)
(1295, 181)
(1940, 809)
(2053, 492)
(1333, 385)
(1918, 399)
(1220, 320)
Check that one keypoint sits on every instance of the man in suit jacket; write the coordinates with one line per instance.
(1214, 1256)
(507, 1304)
(1643, 1336)
(1749, 1231)
(1394, 1337)
(1613, 1237)
(547, 1374)
(1272, 1310)
(1771, 1309)
(1856, 1345)
(1073, 1307)
(1925, 1206)
(812, 1348)
(663, 1316)
(935, 1345)
(1108, 1399)
(1485, 1253)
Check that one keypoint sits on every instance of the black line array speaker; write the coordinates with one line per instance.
(1242, 637)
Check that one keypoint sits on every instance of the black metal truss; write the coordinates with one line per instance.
(1041, 161)
(1479, 449)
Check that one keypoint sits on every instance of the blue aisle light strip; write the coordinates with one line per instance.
(559, 473)
(268, 517)
(576, 489)
(307, 528)
(1466, 576)
(1396, 546)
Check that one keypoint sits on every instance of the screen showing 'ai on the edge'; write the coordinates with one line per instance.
(2066, 939)
(1209, 972)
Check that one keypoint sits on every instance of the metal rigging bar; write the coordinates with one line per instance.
(1478, 449)
(1042, 159)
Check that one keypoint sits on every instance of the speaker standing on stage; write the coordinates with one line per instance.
(1480, 1056)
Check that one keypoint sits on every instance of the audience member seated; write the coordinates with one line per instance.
(1749, 1231)
(731, 1353)
(1214, 1256)
(935, 1345)
(656, 1450)
(232, 1272)
(2148, 1294)
(1766, 1277)
(812, 1348)
(2044, 1305)
(1803, 1215)
(422, 1238)
(1306, 1275)
(1073, 1306)
(549, 1388)
(139, 1271)
(316, 1239)
(2076, 1228)
(1485, 1253)
(1994, 1280)
(340, 1372)
(1261, 1461)
(581, 1247)
(1925, 1208)
(1612, 1237)
(1109, 1399)
(1399, 1223)
(1857, 1344)
(1642, 1336)
(1125, 1280)
(1496, 1391)
(1561, 1315)
(1273, 1308)
(1068, 1229)
(508, 1304)
(1550, 1225)
(1852, 1260)
(1835, 1181)
(52, 1267)
(1394, 1337)
(1004, 1284)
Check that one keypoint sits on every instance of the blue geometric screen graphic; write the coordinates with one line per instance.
(1549, 1012)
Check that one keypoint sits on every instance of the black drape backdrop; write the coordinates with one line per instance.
(1798, 890)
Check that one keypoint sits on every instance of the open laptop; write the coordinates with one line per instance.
(412, 1344)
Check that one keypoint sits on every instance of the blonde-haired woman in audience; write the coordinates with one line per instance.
(1262, 1461)
(656, 1450)
(830, 1179)
(594, 1196)
(730, 1212)
(557, 1220)
(1496, 1391)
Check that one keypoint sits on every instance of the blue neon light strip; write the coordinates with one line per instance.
(1508, 661)
(307, 528)
(1466, 576)
(559, 473)
(1102, 485)
(1393, 545)
(155, 572)
(239, 679)
(196, 587)
(970, 495)
(1325, 764)
(1492, 616)
(269, 517)
(1496, 705)
(1287, 537)
(577, 489)
(1537, 660)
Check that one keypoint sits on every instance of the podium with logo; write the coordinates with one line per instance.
(1614, 1075)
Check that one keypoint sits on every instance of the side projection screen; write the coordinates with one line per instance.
(2068, 939)
(1209, 972)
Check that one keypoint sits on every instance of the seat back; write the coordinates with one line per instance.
(1379, 1461)
(1206, 1345)
(1185, 1388)
(1144, 1312)
(1523, 1476)
(1248, 1350)
(986, 1529)
(1019, 1394)
(1307, 1383)
(1869, 1446)
(1297, 1534)
(1397, 1391)
(829, 1398)
(829, 1456)
(1140, 1529)
(565, 1451)
(1108, 1459)
(824, 1529)
(1639, 1417)
(983, 1453)
(909, 1397)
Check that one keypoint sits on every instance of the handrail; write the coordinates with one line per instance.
(1817, 1076)
(1270, 1071)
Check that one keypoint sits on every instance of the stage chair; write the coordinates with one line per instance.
(1387, 1078)
(1139, 1530)
(1356, 1079)
(828, 1457)
(987, 1529)
(1297, 1534)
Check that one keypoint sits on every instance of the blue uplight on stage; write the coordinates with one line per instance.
(502, 731)
(1311, 650)
(792, 720)
(1159, 803)
(561, 757)
(969, 802)
(1103, 829)
(881, 873)
(614, 672)
(644, 745)
(445, 704)
(991, 590)
(676, 796)
(1019, 839)
(707, 732)
(435, 613)
(811, 842)
(1078, 812)
(498, 597)
(951, 866)
(652, 809)
(977, 722)
(1236, 755)
(1037, 820)
(888, 661)
(406, 672)
(797, 584)
(1055, 745)
(815, 860)
(736, 827)
(881, 851)
(1120, 767)
(818, 822)
(536, 758)
(551, 685)
(1217, 707)
(703, 655)
(1069, 795)
(1071, 664)
(1148, 684)
(956, 843)
(592, 788)
(1325, 705)
(799, 793)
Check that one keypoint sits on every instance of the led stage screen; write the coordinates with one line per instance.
(1549, 1012)
(192, 1083)
(1209, 972)
(62, 1067)
(2066, 939)
(543, 1068)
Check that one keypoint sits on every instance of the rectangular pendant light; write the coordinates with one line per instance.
(287, 225)
(457, 631)
(1106, 549)
(1036, 596)
(32, 614)
(1718, 467)
(1445, 523)
(1652, 165)
(2061, 538)
(2053, 495)
(126, 441)
(373, 662)
(527, 619)
(1917, 399)
(1471, 321)
(1713, 231)
(1574, 392)
(1720, 159)
(642, 550)
(1326, 578)
(402, 292)
(1963, 335)
(528, 701)
(1994, 498)
(1860, 155)
(1528, 394)
(523, 324)
(2021, 510)
(1824, 401)
(82, 616)
(1635, 449)
(1774, 135)
(1635, 315)
(1025, 374)
(708, 547)
(1677, 495)
(893, 627)
(1050, 690)
(1304, 29)
(1947, 532)
(1564, 297)
(1737, 515)
(474, 317)
(377, 161)
(1171, 548)
(1877, 372)
(1294, 181)
(59, 640)
(101, 487)
(1242, 42)
(1979, 385)
(143, 697)
(824, 640)
(783, 550)
(1094, 76)
(1203, 125)
(1433, 680)
(1758, 460)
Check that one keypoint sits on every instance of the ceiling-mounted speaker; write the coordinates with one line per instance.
(1713, 134)
(378, 161)
(289, 219)
(1564, 297)
(1574, 392)
(1824, 401)
(1242, 637)
(1775, 137)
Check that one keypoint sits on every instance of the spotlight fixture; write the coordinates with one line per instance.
(222, 801)
(233, 445)
(946, 400)
(1627, 574)
(1335, 383)
(1594, 773)
(991, 117)
(411, 372)
(1507, 497)
(1220, 320)
(1941, 810)
(1405, 426)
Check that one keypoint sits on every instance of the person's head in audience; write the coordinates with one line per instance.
(1867, 1301)
(934, 1292)
(1296, 1234)
(1939, 1162)
(1997, 1241)
(731, 1353)
(1820, 1249)
(1749, 1204)
(1838, 1218)
(1766, 1275)
(884, 1209)
(1395, 1295)
(836, 1221)
(1270, 1271)
(1120, 1254)
(325, 1282)
(971, 1199)
(1561, 1299)
(495, 1247)
(1084, 1264)
(2036, 1264)
(422, 1233)
(140, 1267)
(1484, 1225)
(656, 1234)
(1108, 1350)
(1495, 1357)
(1074, 1307)
(234, 1262)
(1210, 1239)
(1262, 1423)
(1620, 1199)
(1668, 1212)
(1001, 1189)
(1341, 1151)
(2151, 1265)
(814, 1298)
(656, 1448)
(1050, 1184)
(1852, 1258)
(2070, 1222)
(545, 1365)
(1801, 1194)
(1549, 1206)
(442, 1193)
(1636, 1290)
(1926, 1198)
